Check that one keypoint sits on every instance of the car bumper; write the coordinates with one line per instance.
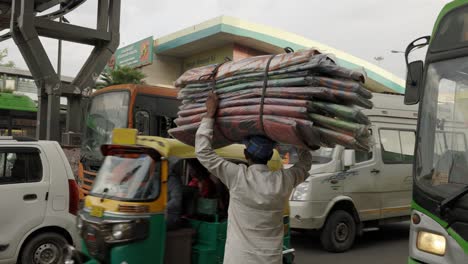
(307, 214)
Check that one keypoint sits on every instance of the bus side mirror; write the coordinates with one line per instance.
(414, 79)
(349, 158)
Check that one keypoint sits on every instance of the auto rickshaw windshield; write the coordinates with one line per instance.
(130, 177)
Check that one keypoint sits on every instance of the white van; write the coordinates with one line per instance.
(39, 200)
(348, 190)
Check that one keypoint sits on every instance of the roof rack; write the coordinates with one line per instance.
(25, 139)
(18, 138)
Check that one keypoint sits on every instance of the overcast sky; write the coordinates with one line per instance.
(363, 28)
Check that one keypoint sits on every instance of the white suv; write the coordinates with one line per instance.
(39, 199)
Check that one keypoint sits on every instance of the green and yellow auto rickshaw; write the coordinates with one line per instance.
(123, 219)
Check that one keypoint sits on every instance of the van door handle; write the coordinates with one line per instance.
(29, 197)
(375, 171)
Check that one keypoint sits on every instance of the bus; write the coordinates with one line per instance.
(439, 220)
(17, 115)
(150, 109)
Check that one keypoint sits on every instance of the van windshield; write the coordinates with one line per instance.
(128, 177)
(289, 154)
(322, 155)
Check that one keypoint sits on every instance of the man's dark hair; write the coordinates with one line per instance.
(254, 159)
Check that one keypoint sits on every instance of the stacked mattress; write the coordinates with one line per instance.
(301, 98)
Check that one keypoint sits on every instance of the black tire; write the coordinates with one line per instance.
(45, 246)
(339, 232)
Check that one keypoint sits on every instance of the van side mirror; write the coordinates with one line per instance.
(349, 158)
(414, 79)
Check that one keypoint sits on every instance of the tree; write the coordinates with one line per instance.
(120, 75)
(3, 55)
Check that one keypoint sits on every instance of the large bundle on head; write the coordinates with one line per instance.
(301, 98)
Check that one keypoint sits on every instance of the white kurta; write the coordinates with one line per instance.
(257, 199)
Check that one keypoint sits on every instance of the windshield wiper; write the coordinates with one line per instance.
(448, 202)
(104, 194)
(130, 173)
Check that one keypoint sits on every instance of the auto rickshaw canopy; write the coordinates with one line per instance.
(168, 147)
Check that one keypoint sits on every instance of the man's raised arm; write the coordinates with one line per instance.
(226, 171)
(300, 171)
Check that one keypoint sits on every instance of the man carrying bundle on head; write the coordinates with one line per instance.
(257, 195)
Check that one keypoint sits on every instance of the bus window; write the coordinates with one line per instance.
(163, 124)
(450, 160)
(142, 122)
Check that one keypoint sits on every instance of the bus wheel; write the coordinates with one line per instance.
(339, 232)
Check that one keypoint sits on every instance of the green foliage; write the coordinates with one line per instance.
(120, 75)
(3, 55)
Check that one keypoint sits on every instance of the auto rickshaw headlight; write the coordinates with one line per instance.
(121, 230)
(128, 231)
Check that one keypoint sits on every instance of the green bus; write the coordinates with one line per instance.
(439, 220)
(17, 115)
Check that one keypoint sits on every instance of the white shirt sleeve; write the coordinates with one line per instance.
(300, 171)
(226, 171)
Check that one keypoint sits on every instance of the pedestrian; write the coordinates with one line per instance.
(174, 196)
(257, 195)
(200, 178)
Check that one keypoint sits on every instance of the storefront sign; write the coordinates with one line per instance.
(134, 55)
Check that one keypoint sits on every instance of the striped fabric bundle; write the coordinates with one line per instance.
(301, 98)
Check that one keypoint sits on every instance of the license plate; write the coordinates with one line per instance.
(97, 211)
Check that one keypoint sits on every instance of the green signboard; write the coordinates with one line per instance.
(134, 55)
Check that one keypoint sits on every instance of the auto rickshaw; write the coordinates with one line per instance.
(123, 218)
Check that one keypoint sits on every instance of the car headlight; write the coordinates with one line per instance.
(300, 192)
(79, 223)
(431, 243)
(128, 231)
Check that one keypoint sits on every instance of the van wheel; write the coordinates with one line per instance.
(339, 232)
(45, 248)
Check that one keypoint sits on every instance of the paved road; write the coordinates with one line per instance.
(389, 245)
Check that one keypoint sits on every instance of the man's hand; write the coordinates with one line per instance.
(211, 105)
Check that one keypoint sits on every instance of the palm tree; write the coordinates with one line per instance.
(120, 75)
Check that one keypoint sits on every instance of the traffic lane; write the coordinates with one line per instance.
(388, 245)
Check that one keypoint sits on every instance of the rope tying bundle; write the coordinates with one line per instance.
(265, 85)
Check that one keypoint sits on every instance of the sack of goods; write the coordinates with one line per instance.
(301, 98)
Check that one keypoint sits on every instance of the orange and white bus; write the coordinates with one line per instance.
(150, 109)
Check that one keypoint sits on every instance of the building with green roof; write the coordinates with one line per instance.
(213, 40)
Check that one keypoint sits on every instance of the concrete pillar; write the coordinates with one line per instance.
(74, 114)
(53, 117)
(42, 102)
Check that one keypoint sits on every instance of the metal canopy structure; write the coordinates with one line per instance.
(26, 27)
